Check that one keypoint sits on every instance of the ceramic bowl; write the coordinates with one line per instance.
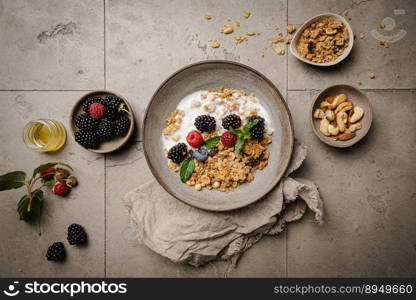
(299, 32)
(117, 142)
(358, 98)
(211, 75)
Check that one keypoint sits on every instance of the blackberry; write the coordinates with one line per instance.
(56, 252)
(85, 122)
(205, 123)
(76, 235)
(87, 139)
(106, 129)
(121, 126)
(89, 101)
(213, 151)
(231, 121)
(257, 131)
(178, 153)
(113, 105)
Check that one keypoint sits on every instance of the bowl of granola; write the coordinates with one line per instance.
(324, 40)
(218, 135)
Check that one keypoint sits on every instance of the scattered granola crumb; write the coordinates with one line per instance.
(239, 39)
(362, 35)
(237, 23)
(228, 29)
(250, 33)
(277, 40)
(207, 17)
(382, 26)
(215, 45)
(19, 270)
(262, 53)
(359, 82)
(290, 28)
(246, 14)
(371, 75)
(279, 50)
(384, 44)
(397, 76)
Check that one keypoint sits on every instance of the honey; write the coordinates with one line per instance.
(44, 135)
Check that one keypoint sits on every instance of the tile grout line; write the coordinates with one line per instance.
(287, 99)
(362, 89)
(105, 155)
(17, 90)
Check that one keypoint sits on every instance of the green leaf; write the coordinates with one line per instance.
(251, 124)
(187, 169)
(212, 142)
(12, 180)
(49, 165)
(237, 132)
(239, 145)
(32, 214)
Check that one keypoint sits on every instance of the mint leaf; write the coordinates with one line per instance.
(212, 142)
(239, 145)
(187, 168)
(12, 180)
(251, 124)
(49, 165)
(33, 215)
(237, 132)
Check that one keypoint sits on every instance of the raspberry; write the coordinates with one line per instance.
(60, 188)
(97, 110)
(48, 174)
(194, 138)
(228, 139)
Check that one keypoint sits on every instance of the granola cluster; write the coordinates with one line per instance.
(225, 170)
(324, 40)
(173, 122)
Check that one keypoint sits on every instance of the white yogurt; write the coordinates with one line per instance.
(195, 105)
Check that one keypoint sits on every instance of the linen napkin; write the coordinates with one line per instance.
(186, 234)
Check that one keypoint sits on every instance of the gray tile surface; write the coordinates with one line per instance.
(24, 249)
(369, 196)
(51, 45)
(393, 66)
(131, 47)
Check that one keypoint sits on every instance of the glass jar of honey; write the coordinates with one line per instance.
(44, 135)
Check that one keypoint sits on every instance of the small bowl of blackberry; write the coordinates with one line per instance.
(102, 121)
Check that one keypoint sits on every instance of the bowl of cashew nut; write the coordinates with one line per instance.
(341, 115)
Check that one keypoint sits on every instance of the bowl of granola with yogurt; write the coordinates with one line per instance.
(218, 135)
(324, 40)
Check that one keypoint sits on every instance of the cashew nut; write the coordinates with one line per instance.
(340, 120)
(345, 106)
(333, 130)
(318, 114)
(357, 115)
(324, 127)
(329, 114)
(325, 104)
(354, 127)
(338, 100)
